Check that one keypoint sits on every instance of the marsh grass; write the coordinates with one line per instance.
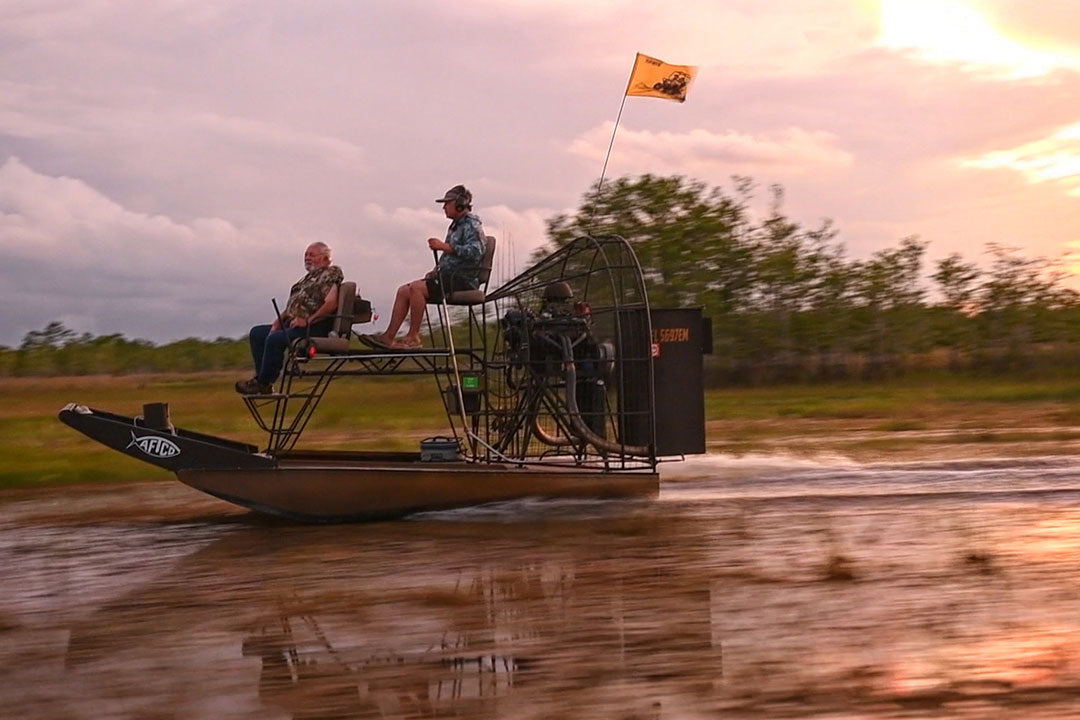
(919, 399)
(395, 413)
(36, 449)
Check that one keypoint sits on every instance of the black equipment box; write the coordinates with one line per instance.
(472, 390)
(680, 337)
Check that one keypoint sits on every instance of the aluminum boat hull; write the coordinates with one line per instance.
(343, 486)
(365, 491)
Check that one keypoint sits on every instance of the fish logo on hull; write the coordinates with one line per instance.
(155, 446)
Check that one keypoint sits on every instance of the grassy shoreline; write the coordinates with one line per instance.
(904, 419)
(932, 416)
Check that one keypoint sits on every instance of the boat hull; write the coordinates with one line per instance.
(329, 486)
(313, 493)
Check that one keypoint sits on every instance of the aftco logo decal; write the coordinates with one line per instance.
(155, 446)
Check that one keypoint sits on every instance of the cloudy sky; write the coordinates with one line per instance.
(163, 164)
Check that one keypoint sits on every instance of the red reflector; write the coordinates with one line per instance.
(311, 351)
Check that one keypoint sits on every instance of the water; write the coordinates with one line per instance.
(754, 587)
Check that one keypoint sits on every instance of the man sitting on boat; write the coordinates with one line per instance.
(458, 269)
(312, 303)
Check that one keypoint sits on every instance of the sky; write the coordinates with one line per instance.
(164, 164)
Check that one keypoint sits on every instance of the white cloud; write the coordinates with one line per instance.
(1055, 159)
(72, 222)
(789, 151)
(67, 248)
(187, 139)
(70, 252)
(276, 137)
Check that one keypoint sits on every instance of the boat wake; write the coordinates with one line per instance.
(722, 477)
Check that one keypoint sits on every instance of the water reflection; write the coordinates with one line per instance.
(462, 650)
(956, 602)
(359, 622)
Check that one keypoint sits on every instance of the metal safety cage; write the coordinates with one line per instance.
(569, 375)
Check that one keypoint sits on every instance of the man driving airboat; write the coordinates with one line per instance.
(458, 269)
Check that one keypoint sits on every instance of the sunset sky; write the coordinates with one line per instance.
(163, 164)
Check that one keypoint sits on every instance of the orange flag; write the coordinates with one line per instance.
(655, 78)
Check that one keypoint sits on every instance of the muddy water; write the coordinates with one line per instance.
(752, 588)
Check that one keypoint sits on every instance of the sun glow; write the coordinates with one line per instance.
(955, 32)
(951, 31)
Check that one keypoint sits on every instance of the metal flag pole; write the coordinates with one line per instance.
(615, 129)
(611, 143)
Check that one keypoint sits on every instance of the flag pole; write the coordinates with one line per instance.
(603, 172)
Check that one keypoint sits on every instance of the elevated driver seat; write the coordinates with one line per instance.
(475, 297)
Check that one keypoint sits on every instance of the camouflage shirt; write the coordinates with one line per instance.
(466, 236)
(309, 292)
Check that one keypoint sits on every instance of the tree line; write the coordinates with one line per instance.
(58, 350)
(787, 304)
(785, 301)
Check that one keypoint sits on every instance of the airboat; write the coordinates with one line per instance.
(561, 383)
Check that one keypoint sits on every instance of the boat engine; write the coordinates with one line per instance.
(555, 348)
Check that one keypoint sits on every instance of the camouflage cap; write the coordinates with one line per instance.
(459, 194)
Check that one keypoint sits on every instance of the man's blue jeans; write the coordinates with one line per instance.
(268, 348)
